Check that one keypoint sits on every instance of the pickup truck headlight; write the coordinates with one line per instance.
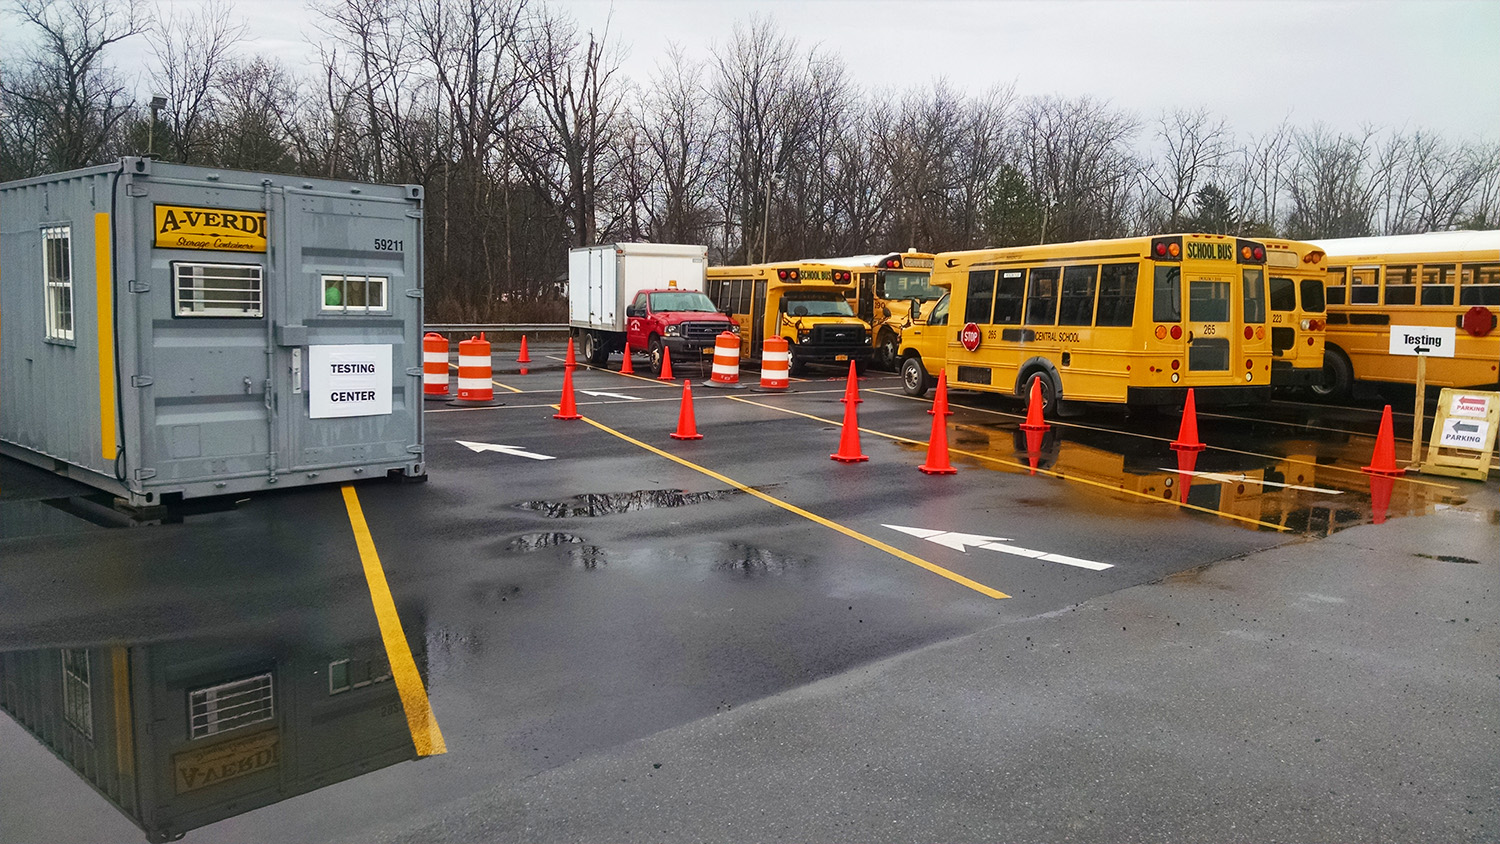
(734, 328)
(671, 330)
(803, 335)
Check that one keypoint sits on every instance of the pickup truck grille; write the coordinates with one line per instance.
(702, 331)
(838, 335)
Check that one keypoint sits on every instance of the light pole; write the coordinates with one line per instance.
(765, 225)
(157, 104)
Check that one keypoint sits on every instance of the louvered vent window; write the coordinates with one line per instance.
(229, 706)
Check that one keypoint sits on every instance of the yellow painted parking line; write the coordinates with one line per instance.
(812, 517)
(419, 718)
(1027, 468)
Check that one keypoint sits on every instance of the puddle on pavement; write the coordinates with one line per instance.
(1316, 490)
(611, 503)
(749, 562)
(535, 541)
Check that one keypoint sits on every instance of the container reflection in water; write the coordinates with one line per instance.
(181, 734)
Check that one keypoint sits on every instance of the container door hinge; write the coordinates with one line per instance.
(415, 215)
(415, 449)
(415, 293)
(138, 286)
(134, 189)
(141, 380)
(144, 474)
(414, 370)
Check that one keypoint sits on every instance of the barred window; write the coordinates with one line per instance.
(229, 706)
(218, 290)
(57, 278)
(78, 700)
(354, 293)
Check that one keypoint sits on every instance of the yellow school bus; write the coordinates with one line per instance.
(807, 302)
(1295, 272)
(890, 289)
(1133, 321)
(1445, 280)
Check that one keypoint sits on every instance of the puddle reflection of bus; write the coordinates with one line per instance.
(181, 734)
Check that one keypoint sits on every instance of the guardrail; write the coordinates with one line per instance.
(450, 329)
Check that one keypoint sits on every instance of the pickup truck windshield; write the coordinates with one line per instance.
(683, 300)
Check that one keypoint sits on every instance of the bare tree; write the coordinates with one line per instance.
(1331, 193)
(1257, 177)
(1076, 157)
(680, 130)
(64, 81)
(1193, 148)
(192, 53)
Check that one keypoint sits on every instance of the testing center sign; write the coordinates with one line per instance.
(349, 381)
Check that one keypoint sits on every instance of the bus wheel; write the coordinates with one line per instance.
(795, 365)
(653, 353)
(1338, 377)
(885, 352)
(914, 378)
(1049, 393)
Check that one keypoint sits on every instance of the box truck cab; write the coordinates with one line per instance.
(805, 302)
(648, 293)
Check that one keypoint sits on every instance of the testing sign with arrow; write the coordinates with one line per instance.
(1429, 340)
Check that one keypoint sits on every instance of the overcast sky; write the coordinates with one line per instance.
(1428, 64)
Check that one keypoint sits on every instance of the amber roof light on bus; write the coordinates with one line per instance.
(1166, 248)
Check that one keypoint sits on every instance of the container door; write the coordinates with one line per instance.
(347, 326)
(202, 302)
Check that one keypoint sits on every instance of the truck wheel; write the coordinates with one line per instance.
(653, 352)
(914, 378)
(590, 348)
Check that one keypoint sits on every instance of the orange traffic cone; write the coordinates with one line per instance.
(666, 365)
(626, 367)
(851, 387)
(1034, 420)
(1384, 460)
(940, 398)
(569, 409)
(849, 440)
(937, 449)
(687, 426)
(569, 362)
(1187, 446)
(523, 357)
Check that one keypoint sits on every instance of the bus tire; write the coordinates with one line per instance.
(885, 351)
(1049, 391)
(1338, 376)
(914, 378)
(654, 354)
(795, 364)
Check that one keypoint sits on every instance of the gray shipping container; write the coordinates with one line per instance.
(170, 331)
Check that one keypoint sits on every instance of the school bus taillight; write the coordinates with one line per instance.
(1176, 332)
(893, 263)
(1166, 248)
(1251, 252)
(786, 275)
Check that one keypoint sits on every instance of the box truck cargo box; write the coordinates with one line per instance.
(169, 331)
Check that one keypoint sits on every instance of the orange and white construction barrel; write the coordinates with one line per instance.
(434, 367)
(775, 361)
(475, 371)
(726, 371)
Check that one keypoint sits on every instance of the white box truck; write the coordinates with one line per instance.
(650, 294)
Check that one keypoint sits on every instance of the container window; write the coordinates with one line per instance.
(1208, 301)
(1312, 296)
(1400, 285)
(1009, 293)
(1437, 284)
(1337, 293)
(980, 305)
(57, 275)
(1077, 305)
(354, 293)
(1283, 294)
(218, 290)
(229, 706)
(1364, 286)
(78, 701)
(1041, 296)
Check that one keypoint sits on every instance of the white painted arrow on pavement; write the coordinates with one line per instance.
(959, 541)
(1242, 479)
(610, 395)
(513, 450)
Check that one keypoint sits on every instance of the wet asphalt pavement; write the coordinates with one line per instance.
(622, 646)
